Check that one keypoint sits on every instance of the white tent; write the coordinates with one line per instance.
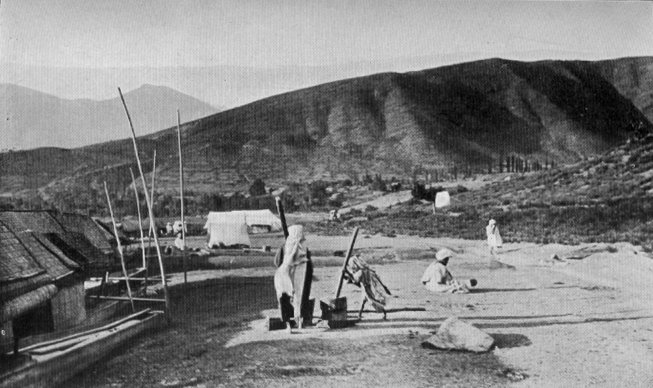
(227, 228)
(262, 218)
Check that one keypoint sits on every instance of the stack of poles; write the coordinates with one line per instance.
(122, 257)
(149, 208)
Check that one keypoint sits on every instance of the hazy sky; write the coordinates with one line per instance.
(267, 33)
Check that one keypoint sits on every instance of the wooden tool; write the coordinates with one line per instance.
(335, 310)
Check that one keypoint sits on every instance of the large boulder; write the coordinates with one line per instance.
(455, 334)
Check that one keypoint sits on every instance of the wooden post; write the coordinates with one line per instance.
(344, 266)
(140, 226)
(122, 258)
(181, 195)
(149, 207)
(140, 220)
(152, 226)
(282, 216)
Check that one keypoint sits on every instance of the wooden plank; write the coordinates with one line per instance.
(105, 327)
(122, 298)
(56, 370)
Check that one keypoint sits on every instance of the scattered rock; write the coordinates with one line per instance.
(455, 334)
(512, 374)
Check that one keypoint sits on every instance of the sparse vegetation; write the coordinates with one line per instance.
(608, 199)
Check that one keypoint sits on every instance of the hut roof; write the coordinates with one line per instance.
(74, 245)
(104, 229)
(20, 273)
(30, 267)
(78, 223)
(130, 224)
(56, 265)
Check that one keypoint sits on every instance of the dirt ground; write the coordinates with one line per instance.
(582, 322)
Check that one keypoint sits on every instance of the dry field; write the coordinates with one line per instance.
(586, 322)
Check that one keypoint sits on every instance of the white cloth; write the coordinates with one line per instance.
(283, 281)
(442, 199)
(294, 253)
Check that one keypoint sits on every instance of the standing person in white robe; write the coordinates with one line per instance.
(437, 277)
(494, 240)
(294, 253)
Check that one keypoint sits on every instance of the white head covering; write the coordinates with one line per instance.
(294, 247)
(492, 222)
(443, 254)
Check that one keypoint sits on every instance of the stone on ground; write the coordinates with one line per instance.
(455, 334)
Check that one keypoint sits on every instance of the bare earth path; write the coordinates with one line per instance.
(588, 322)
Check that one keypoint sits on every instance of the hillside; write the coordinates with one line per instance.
(467, 116)
(607, 198)
(33, 119)
(633, 78)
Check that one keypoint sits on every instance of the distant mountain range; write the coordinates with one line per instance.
(232, 85)
(32, 119)
(469, 114)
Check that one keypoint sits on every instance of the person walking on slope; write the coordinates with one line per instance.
(494, 240)
(294, 254)
(361, 275)
(437, 277)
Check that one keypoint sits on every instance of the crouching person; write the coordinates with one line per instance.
(437, 277)
(361, 275)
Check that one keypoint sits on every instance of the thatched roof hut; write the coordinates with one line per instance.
(81, 224)
(44, 225)
(41, 288)
(30, 272)
(23, 282)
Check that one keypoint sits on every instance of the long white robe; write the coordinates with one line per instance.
(294, 253)
(437, 278)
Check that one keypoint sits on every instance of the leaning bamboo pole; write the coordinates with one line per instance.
(149, 206)
(149, 233)
(152, 226)
(122, 257)
(181, 196)
(140, 219)
(140, 228)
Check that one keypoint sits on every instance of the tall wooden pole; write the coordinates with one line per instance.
(181, 195)
(152, 226)
(122, 258)
(149, 232)
(344, 266)
(140, 228)
(140, 219)
(149, 205)
(282, 217)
